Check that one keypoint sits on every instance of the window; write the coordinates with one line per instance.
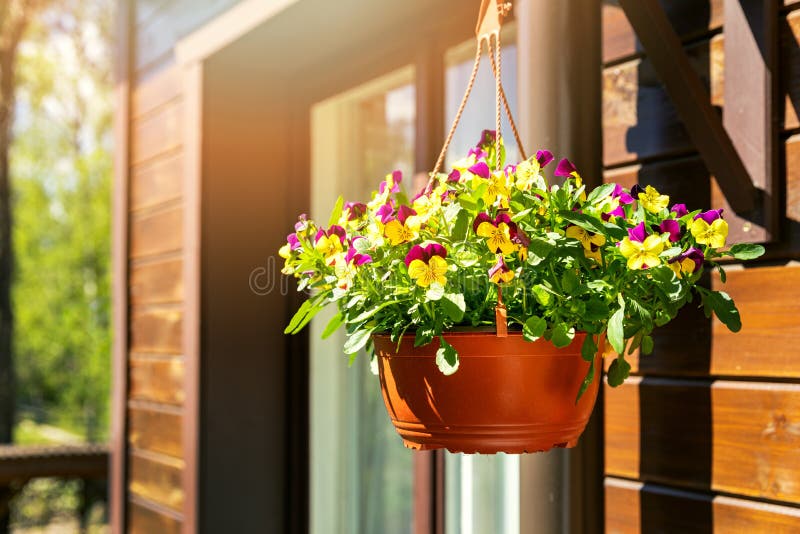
(361, 474)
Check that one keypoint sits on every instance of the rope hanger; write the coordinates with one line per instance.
(488, 30)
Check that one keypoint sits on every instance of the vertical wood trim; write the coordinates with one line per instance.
(193, 138)
(428, 139)
(119, 390)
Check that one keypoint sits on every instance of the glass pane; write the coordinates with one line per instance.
(479, 114)
(482, 492)
(361, 475)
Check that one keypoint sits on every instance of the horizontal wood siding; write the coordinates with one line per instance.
(705, 436)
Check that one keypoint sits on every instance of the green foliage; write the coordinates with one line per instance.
(61, 167)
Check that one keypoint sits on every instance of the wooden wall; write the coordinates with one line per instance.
(706, 436)
(156, 365)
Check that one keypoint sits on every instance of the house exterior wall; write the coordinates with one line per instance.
(154, 487)
(704, 436)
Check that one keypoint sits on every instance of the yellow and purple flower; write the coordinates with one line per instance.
(687, 262)
(404, 228)
(426, 264)
(591, 242)
(498, 232)
(641, 251)
(679, 210)
(500, 271)
(614, 206)
(330, 242)
(709, 228)
(672, 227)
(652, 200)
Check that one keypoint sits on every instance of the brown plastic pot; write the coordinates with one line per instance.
(508, 395)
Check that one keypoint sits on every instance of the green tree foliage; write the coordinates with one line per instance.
(61, 168)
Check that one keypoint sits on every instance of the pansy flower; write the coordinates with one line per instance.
(672, 227)
(385, 212)
(709, 228)
(500, 271)
(330, 242)
(354, 211)
(641, 250)
(354, 257)
(404, 228)
(526, 174)
(387, 188)
(497, 190)
(591, 242)
(426, 264)
(614, 205)
(544, 157)
(687, 262)
(679, 210)
(566, 169)
(498, 232)
(652, 200)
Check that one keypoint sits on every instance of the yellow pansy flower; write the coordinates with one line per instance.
(652, 200)
(713, 235)
(642, 255)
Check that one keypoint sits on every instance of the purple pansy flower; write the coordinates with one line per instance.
(709, 216)
(544, 157)
(637, 233)
(294, 243)
(636, 190)
(333, 230)
(673, 227)
(302, 223)
(694, 254)
(454, 176)
(619, 211)
(478, 152)
(425, 253)
(386, 212)
(481, 169)
(397, 177)
(622, 195)
(679, 210)
(356, 210)
(403, 213)
(354, 256)
(565, 168)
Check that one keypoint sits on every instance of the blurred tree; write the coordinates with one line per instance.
(15, 15)
(61, 162)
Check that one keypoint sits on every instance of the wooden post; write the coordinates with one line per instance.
(560, 104)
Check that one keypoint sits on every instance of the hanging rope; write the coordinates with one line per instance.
(496, 73)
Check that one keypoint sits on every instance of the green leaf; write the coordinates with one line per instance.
(446, 357)
(618, 371)
(333, 325)
(589, 348)
(569, 281)
(584, 221)
(534, 328)
(435, 292)
(744, 251)
(723, 276)
(363, 316)
(587, 381)
(337, 211)
(357, 340)
(423, 336)
(616, 331)
(542, 294)
(600, 192)
(647, 345)
(724, 308)
(455, 306)
(539, 249)
(521, 215)
(562, 336)
(460, 227)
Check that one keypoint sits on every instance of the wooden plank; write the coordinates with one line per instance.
(158, 181)
(751, 93)
(790, 69)
(156, 133)
(633, 507)
(156, 90)
(735, 437)
(155, 431)
(147, 520)
(685, 180)
(639, 120)
(756, 429)
(157, 283)
(691, 19)
(793, 182)
(156, 379)
(157, 233)
(156, 478)
(157, 331)
(690, 97)
(768, 299)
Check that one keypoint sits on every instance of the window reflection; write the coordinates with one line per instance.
(361, 475)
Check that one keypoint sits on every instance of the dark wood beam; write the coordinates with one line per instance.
(692, 102)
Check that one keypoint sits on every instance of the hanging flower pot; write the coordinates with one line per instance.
(550, 267)
(508, 395)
